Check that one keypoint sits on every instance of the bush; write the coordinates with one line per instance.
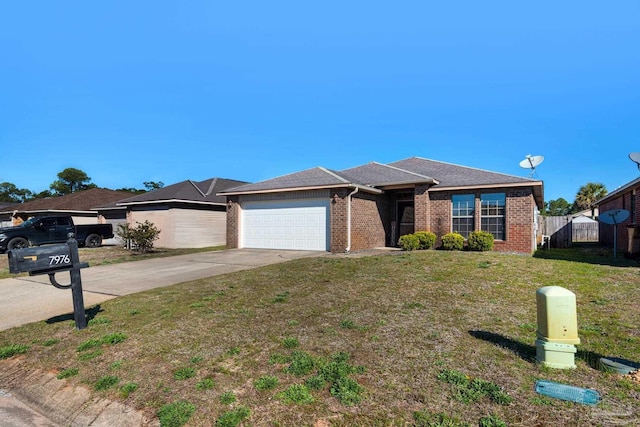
(140, 237)
(409, 242)
(452, 242)
(480, 241)
(426, 238)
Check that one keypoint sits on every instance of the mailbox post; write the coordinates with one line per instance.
(52, 259)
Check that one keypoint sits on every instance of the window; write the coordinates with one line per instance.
(463, 213)
(492, 214)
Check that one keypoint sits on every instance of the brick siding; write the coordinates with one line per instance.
(518, 222)
(233, 222)
(370, 221)
(372, 215)
(621, 201)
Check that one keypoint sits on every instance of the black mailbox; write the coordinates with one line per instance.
(40, 260)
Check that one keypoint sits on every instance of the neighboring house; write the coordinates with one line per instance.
(5, 216)
(589, 213)
(628, 236)
(374, 204)
(78, 205)
(189, 214)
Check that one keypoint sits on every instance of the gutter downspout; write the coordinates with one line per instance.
(348, 248)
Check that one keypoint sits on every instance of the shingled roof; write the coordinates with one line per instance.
(202, 192)
(309, 179)
(452, 175)
(80, 201)
(375, 177)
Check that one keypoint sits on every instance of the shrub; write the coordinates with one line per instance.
(480, 241)
(426, 238)
(452, 242)
(140, 237)
(409, 242)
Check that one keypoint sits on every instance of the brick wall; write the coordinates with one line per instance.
(622, 201)
(338, 221)
(233, 222)
(370, 221)
(422, 208)
(518, 221)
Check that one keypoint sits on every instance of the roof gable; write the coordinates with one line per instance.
(378, 175)
(186, 191)
(311, 178)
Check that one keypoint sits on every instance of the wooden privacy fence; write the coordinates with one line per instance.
(584, 232)
(563, 231)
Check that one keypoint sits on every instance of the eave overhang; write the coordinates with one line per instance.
(292, 189)
(537, 186)
(160, 202)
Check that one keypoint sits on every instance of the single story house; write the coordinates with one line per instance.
(5, 214)
(374, 204)
(78, 205)
(628, 232)
(188, 214)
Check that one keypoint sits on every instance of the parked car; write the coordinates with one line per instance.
(41, 230)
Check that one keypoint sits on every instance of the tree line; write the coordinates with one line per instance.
(69, 181)
(586, 196)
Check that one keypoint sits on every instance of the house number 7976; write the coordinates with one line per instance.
(59, 259)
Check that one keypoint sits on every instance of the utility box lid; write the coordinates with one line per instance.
(557, 316)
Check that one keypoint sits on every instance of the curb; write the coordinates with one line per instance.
(66, 405)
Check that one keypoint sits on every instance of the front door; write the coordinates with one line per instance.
(405, 218)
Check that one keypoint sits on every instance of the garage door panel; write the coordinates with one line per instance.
(294, 224)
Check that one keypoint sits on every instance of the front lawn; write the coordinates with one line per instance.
(421, 338)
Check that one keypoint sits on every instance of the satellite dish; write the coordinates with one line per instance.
(530, 162)
(635, 157)
(615, 217)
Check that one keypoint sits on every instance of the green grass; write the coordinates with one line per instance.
(374, 335)
(175, 414)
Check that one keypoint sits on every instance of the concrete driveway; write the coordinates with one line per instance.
(32, 298)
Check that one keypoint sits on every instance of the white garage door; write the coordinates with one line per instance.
(291, 224)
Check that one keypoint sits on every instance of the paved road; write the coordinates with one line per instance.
(31, 299)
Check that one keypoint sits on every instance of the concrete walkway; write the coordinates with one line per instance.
(25, 397)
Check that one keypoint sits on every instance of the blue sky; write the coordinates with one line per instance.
(166, 91)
